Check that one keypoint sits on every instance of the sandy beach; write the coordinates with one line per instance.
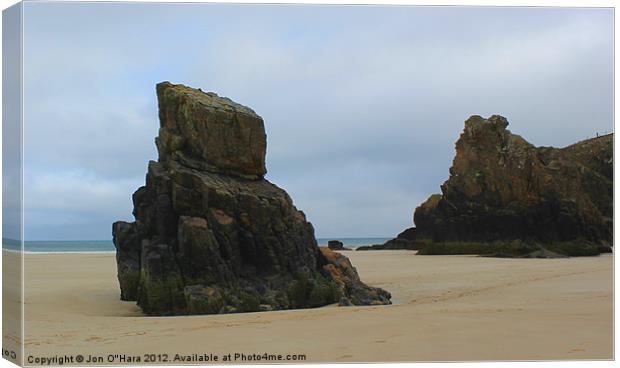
(446, 308)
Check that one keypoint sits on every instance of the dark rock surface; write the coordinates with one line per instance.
(336, 245)
(211, 234)
(404, 240)
(504, 193)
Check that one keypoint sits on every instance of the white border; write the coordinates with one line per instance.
(505, 3)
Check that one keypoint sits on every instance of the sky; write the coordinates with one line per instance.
(362, 104)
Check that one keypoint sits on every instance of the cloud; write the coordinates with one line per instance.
(362, 104)
(75, 205)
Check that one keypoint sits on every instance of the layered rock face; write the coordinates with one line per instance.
(206, 132)
(211, 234)
(507, 197)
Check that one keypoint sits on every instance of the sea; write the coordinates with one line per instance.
(83, 246)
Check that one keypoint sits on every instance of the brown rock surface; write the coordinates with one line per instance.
(208, 132)
(352, 289)
(507, 195)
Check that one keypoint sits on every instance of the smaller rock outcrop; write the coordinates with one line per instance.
(336, 245)
(506, 197)
(403, 241)
(353, 290)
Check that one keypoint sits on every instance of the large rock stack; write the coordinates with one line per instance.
(211, 234)
(507, 197)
